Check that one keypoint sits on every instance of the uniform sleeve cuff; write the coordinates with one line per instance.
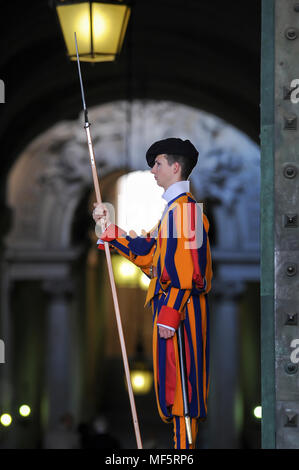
(101, 246)
(111, 233)
(168, 316)
(165, 326)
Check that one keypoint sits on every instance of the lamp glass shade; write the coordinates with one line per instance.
(100, 29)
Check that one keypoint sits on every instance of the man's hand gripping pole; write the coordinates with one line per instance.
(109, 264)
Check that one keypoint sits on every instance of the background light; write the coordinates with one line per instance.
(125, 272)
(24, 410)
(127, 269)
(138, 380)
(139, 202)
(144, 281)
(257, 412)
(5, 419)
(142, 380)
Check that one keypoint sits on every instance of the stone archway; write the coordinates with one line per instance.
(51, 176)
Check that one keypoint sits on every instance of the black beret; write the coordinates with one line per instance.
(171, 146)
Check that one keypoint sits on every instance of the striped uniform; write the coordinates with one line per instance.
(178, 251)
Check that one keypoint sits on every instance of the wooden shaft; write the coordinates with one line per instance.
(93, 165)
(183, 370)
(115, 299)
(123, 347)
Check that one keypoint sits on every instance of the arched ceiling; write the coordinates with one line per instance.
(201, 53)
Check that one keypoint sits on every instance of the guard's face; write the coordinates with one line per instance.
(162, 171)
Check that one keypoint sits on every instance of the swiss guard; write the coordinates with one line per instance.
(176, 256)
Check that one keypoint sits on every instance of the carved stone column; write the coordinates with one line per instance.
(58, 358)
(222, 421)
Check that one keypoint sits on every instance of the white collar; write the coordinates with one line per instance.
(176, 189)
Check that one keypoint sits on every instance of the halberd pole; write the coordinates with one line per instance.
(109, 264)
